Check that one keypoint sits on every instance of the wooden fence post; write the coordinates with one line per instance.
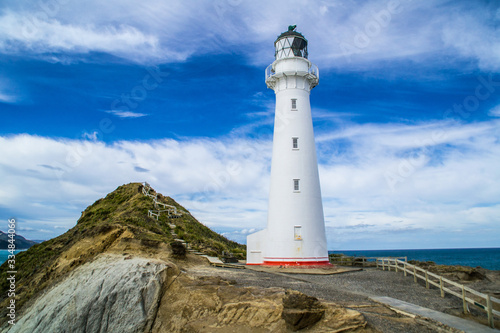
(490, 311)
(426, 280)
(441, 286)
(414, 274)
(464, 300)
(389, 264)
(396, 263)
(404, 268)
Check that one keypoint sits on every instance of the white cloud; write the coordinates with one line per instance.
(407, 173)
(126, 114)
(475, 35)
(7, 98)
(158, 31)
(495, 112)
(89, 136)
(224, 182)
(59, 178)
(9, 92)
(21, 33)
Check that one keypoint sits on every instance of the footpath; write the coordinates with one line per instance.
(449, 320)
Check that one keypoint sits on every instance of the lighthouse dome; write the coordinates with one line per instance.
(290, 44)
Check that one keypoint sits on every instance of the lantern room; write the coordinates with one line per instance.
(290, 44)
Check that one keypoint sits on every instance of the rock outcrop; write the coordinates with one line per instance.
(110, 294)
(301, 311)
(211, 304)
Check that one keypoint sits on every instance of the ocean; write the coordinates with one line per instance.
(4, 254)
(488, 258)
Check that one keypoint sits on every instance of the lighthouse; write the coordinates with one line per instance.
(295, 233)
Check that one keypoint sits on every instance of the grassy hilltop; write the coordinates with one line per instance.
(121, 217)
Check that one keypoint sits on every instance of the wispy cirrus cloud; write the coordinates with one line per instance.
(341, 34)
(126, 114)
(9, 92)
(495, 112)
(6, 98)
(27, 32)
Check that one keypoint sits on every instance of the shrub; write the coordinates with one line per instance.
(178, 249)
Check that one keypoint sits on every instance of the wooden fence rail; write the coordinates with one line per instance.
(344, 260)
(172, 211)
(486, 303)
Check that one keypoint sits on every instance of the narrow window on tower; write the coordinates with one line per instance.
(297, 232)
(295, 143)
(296, 187)
(294, 104)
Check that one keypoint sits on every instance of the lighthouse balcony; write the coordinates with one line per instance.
(311, 73)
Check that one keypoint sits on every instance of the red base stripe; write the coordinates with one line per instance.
(297, 263)
(298, 258)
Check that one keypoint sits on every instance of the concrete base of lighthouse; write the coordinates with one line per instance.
(255, 247)
(257, 254)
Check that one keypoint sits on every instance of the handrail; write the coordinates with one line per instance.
(269, 71)
(171, 210)
(462, 293)
(341, 259)
(312, 70)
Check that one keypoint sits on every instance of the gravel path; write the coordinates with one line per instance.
(351, 290)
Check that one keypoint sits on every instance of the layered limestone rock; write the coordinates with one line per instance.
(110, 294)
(301, 311)
(211, 304)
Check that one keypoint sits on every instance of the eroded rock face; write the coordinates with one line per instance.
(212, 304)
(110, 294)
(301, 311)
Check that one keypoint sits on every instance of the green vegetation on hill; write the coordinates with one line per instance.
(126, 208)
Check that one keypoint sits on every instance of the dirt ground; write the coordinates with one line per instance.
(353, 289)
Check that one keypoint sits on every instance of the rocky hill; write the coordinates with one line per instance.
(119, 218)
(20, 241)
(115, 271)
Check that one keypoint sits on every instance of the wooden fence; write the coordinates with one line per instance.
(172, 211)
(356, 261)
(468, 295)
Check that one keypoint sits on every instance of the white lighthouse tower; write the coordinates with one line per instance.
(295, 233)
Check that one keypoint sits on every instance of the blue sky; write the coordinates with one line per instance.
(406, 115)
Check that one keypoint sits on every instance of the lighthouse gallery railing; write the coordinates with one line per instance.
(313, 70)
